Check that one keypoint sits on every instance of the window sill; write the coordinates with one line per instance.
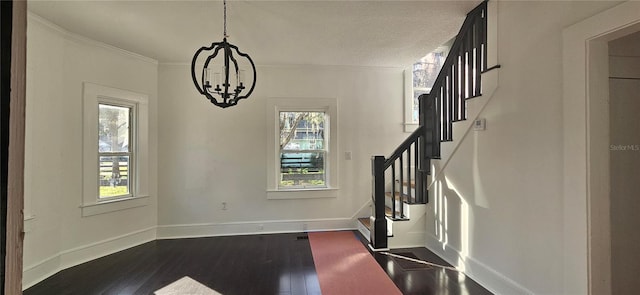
(107, 206)
(306, 193)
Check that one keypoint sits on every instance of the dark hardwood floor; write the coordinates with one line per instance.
(257, 264)
(415, 278)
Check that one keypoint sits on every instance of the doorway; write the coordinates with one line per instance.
(587, 267)
(624, 165)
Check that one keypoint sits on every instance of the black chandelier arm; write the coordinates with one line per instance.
(235, 65)
(193, 70)
(253, 68)
(206, 65)
(222, 104)
(193, 64)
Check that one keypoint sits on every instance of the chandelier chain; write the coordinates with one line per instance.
(224, 3)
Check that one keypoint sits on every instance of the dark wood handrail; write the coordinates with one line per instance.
(457, 43)
(404, 146)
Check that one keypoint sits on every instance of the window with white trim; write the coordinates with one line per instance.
(115, 149)
(302, 148)
(116, 172)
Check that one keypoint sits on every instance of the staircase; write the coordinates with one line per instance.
(400, 182)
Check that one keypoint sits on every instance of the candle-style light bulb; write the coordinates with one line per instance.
(216, 79)
(241, 78)
(206, 77)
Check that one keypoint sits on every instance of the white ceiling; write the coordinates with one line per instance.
(362, 33)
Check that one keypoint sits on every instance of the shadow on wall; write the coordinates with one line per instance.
(449, 204)
(457, 194)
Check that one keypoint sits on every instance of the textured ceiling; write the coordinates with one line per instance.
(362, 33)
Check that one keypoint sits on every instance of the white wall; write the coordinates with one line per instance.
(625, 159)
(209, 155)
(498, 207)
(57, 65)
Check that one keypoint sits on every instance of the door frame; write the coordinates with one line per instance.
(587, 249)
(12, 109)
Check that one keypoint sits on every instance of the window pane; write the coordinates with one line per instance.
(302, 130)
(426, 70)
(425, 73)
(302, 169)
(416, 104)
(114, 176)
(113, 128)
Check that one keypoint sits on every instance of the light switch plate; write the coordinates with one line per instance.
(480, 124)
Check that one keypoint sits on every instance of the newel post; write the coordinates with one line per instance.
(379, 224)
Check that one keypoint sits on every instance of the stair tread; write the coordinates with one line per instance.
(388, 211)
(411, 183)
(405, 197)
(366, 221)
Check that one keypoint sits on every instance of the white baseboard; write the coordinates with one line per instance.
(484, 275)
(253, 227)
(37, 272)
(407, 240)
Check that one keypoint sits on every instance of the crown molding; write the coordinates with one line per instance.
(85, 40)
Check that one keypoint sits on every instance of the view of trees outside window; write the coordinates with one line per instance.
(114, 150)
(425, 72)
(302, 149)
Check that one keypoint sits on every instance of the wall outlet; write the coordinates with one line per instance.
(261, 227)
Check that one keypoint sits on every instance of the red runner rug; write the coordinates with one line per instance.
(345, 267)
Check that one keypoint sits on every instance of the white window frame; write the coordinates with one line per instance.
(329, 107)
(93, 95)
(131, 153)
(327, 135)
(409, 124)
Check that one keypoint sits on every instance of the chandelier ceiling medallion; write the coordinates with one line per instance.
(222, 76)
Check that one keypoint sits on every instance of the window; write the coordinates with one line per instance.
(115, 149)
(419, 80)
(302, 148)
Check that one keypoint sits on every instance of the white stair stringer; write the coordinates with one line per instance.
(412, 232)
(364, 230)
(462, 129)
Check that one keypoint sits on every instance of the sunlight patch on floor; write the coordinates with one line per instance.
(186, 286)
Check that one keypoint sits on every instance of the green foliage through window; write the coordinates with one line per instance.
(302, 149)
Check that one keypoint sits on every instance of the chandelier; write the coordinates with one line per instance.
(222, 76)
